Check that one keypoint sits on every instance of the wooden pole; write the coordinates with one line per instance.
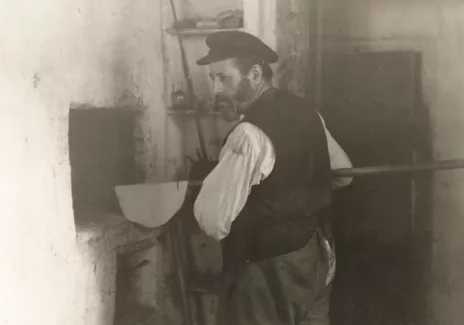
(390, 169)
(387, 169)
(191, 93)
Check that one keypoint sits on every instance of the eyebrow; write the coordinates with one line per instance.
(220, 74)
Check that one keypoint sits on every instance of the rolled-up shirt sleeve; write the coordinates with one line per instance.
(225, 190)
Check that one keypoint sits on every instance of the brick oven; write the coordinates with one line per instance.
(131, 262)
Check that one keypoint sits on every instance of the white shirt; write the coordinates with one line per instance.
(246, 159)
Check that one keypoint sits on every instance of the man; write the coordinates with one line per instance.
(268, 199)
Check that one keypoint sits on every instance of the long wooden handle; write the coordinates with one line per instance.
(188, 78)
(387, 169)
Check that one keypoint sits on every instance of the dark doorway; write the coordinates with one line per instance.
(372, 106)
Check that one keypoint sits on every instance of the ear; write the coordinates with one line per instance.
(256, 73)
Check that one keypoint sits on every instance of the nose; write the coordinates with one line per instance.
(217, 87)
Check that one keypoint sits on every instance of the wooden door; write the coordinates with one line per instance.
(371, 103)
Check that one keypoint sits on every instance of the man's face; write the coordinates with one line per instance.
(232, 90)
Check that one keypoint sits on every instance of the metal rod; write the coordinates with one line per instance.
(387, 169)
(188, 77)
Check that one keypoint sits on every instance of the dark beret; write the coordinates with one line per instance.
(231, 44)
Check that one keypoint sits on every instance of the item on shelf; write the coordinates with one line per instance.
(225, 14)
(179, 99)
(238, 13)
(232, 22)
(230, 19)
(207, 24)
(185, 24)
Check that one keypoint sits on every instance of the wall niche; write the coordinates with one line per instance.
(102, 153)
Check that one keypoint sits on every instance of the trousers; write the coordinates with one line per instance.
(290, 289)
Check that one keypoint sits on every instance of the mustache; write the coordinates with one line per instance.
(223, 102)
(220, 98)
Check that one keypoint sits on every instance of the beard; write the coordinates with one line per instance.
(244, 91)
(232, 107)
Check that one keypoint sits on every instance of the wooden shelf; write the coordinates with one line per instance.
(192, 113)
(200, 31)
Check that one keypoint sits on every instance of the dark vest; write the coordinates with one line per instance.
(285, 210)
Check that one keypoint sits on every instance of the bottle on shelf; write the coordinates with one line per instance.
(179, 100)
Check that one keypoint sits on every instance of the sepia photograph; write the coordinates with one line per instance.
(231, 162)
